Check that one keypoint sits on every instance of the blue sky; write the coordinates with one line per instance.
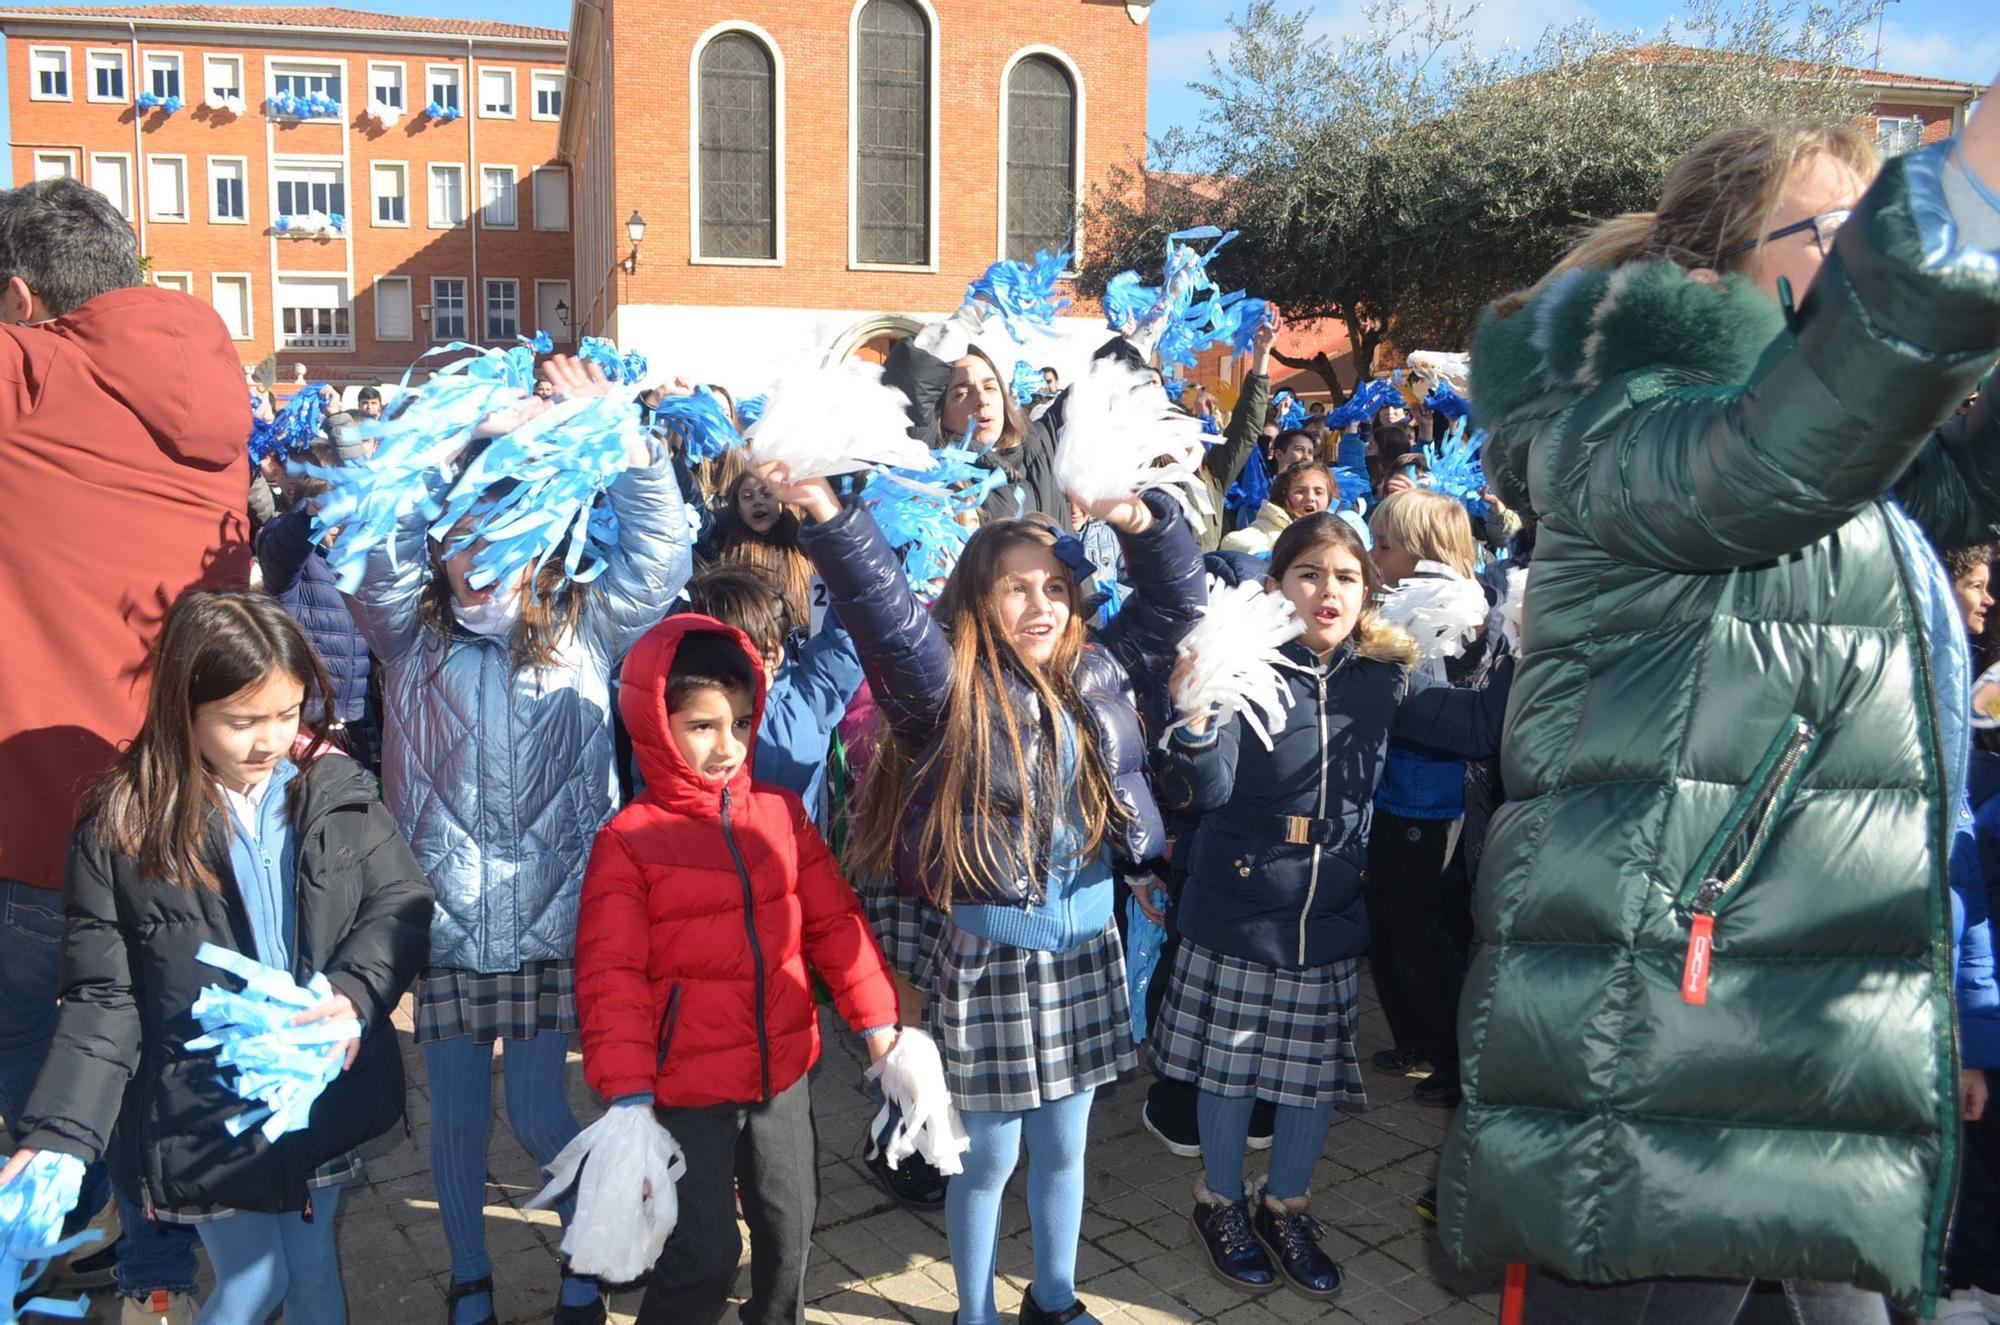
(1941, 38)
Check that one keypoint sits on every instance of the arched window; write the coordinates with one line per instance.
(738, 149)
(892, 141)
(1041, 158)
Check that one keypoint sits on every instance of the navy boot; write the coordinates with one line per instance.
(1291, 1236)
(1234, 1257)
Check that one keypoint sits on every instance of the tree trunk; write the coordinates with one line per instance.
(1320, 365)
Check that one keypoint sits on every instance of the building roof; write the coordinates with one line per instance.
(285, 16)
(1875, 78)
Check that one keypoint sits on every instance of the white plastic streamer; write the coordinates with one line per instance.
(280, 1068)
(32, 1209)
(912, 1080)
(1442, 611)
(1235, 652)
(1507, 612)
(624, 1167)
(1120, 437)
(840, 420)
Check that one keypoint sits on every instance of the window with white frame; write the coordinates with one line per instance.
(305, 80)
(736, 157)
(503, 310)
(393, 317)
(228, 189)
(1040, 158)
(496, 94)
(231, 296)
(447, 308)
(166, 188)
(1897, 134)
(55, 165)
(497, 210)
(444, 85)
(547, 85)
(447, 196)
(313, 313)
(385, 86)
(107, 75)
(389, 181)
(163, 73)
(48, 73)
(182, 281)
(892, 134)
(552, 310)
(222, 76)
(305, 187)
(551, 198)
(111, 175)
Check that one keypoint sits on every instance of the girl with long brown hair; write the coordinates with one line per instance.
(497, 760)
(755, 529)
(228, 822)
(1009, 786)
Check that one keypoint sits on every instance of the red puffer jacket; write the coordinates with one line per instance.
(703, 905)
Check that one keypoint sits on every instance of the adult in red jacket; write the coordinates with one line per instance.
(123, 483)
(704, 904)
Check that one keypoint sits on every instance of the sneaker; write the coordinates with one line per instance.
(1439, 1090)
(1291, 1236)
(1396, 1060)
(1427, 1206)
(159, 1307)
(1170, 1116)
(1234, 1256)
(1263, 1121)
(914, 1184)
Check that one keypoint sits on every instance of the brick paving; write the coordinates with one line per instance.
(873, 1261)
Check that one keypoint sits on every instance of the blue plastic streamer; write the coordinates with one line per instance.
(918, 510)
(1027, 382)
(1369, 399)
(1291, 414)
(1354, 485)
(279, 1068)
(32, 1209)
(1444, 399)
(750, 410)
(1454, 468)
(543, 343)
(1251, 315)
(1023, 294)
(1252, 488)
(296, 427)
(1143, 941)
(701, 422)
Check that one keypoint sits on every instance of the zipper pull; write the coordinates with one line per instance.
(1701, 944)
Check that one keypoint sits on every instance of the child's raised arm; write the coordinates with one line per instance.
(394, 574)
(1464, 722)
(645, 573)
(1169, 588)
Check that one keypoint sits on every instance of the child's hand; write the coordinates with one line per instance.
(573, 378)
(340, 1005)
(1197, 723)
(814, 496)
(1128, 515)
(1142, 890)
(1971, 1096)
(15, 1163)
(879, 1044)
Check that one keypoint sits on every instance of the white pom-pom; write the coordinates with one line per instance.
(912, 1077)
(625, 1203)
(1121, 437)
(1506, 616)
(1442, 612)
(1235, 651)
(839, 420)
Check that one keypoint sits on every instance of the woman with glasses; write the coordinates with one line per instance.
(1709, 1034)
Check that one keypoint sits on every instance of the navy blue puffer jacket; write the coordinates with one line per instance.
(296, 573)
(908, 660)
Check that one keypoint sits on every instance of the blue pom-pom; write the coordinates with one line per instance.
(701, 422)
(1126, 300)
(1369, 399)
(1252, 488)
(1444, 399)
(918, 511)
(1027, 381)
(1251, 314)
(750, 410)
(295, 429)
(634, 367)
(1455, 470)
(1291, 414)
(1354, 485)
(1023, 294)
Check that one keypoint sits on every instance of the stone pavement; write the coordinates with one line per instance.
(873, 1261)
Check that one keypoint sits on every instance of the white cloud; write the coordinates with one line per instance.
(1946, 52)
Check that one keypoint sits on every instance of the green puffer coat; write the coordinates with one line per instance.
(1723, 679)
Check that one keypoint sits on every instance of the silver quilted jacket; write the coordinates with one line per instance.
(501, 779)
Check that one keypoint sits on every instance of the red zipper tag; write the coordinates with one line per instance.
(1701, 943)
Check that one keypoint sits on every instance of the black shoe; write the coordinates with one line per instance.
(592, 1312)
(914, 1184)
(1292, 1239)
(83, 1269)
(1234, 1255)
(1169, 1115)
(1427, 1206)
(473, 1289)
(1438, 1091)
(1263, 1121)
(1397, 1060)
(1031, 1314)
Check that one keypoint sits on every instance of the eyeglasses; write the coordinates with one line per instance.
(1824, 227)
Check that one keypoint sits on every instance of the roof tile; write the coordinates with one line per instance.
(319, 16)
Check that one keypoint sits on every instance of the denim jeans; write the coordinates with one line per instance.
(151, 1255)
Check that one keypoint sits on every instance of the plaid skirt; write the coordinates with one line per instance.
(512, 1005)
(1239, 1028)
(1018, 1028)
(910, 931)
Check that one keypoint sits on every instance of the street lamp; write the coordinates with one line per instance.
(635, 230)
(562, 311)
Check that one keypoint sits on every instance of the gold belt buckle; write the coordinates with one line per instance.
(1298, 830)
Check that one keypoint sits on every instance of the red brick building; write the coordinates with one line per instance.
(816, 177)
(455, 225)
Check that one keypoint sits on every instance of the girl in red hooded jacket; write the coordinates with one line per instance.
(705, 902)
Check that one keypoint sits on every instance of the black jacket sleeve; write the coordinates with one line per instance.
(390, 940)
(1170, 587)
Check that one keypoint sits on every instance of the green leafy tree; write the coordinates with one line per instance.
(1396, 179)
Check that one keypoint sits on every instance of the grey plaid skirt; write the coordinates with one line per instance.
(910, 931)
(512, 1005)
(1239, 1028)
(1018, 1028)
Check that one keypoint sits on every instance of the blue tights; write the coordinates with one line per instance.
(1296, 1143)
(1055, 1133)
(461, 1080)
(262, 1262)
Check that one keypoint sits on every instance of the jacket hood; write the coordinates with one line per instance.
(1589, 327)
(166, 357)
(642, 701)
(1373, 639)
